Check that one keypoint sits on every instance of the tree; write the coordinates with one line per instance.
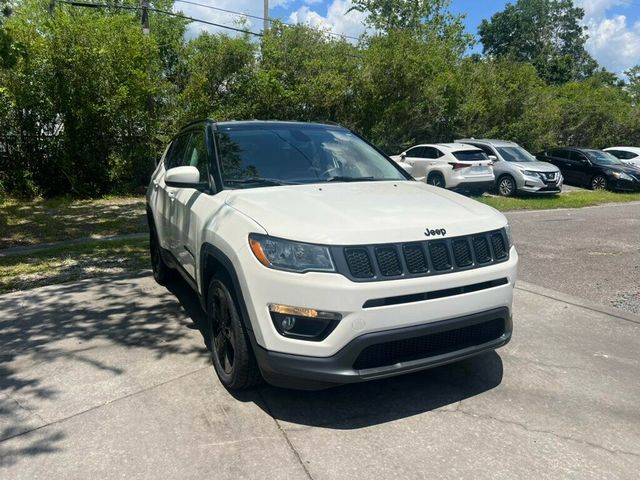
(545, 33)
(633, 85)
(6, 54)
(80, 92)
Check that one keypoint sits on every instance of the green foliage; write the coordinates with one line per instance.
(87, 102)
(545, 33)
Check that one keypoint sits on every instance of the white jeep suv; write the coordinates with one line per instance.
(319, 261)
(449, 165)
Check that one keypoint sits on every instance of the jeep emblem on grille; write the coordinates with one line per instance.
(433, 233)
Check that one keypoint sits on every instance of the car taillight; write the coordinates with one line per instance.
(458, 166)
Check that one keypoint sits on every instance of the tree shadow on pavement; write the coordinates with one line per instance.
(42, 329)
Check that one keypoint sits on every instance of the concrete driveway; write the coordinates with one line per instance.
(111, 379)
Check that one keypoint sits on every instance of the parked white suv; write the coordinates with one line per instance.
(319, 261)
(450, 165)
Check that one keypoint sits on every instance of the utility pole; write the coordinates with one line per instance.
(145, 17)
(266, 16)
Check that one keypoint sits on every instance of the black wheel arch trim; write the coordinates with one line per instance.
(211, 251)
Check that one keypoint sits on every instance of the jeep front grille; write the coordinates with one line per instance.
(417, 259)
(359, 262)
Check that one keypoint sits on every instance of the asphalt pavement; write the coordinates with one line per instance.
(592, 252)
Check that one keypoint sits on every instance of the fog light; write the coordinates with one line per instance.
(288, 323)
(303, 323)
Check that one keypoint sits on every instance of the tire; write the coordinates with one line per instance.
(231, 354)
(436, 179)
(506, 186)
(162, 273)
(598, 182)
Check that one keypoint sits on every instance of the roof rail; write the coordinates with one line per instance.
(200, 120)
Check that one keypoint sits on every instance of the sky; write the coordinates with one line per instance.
(613, 25)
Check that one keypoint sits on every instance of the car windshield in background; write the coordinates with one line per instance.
(515, 154)
(470, 155)
(603, 158)
(265, 155)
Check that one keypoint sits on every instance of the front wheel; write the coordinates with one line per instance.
(506, 186)
(599, 182)
(231, 353)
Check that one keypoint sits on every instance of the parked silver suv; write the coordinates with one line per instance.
(516, 170)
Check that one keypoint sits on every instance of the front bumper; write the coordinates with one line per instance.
(332, 292)
(529, 184)
(625, 185)
(390, 352)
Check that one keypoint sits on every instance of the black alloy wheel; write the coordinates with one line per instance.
(599, 182)
(231, 353)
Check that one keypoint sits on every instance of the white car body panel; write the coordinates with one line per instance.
(349, 213)
(632, 161)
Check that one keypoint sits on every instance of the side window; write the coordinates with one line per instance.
(196, 154)
(176, 153)
(577, 156)
(416, 152)
(560, 154)
(438, 153)
(430, 152)
(487, 150)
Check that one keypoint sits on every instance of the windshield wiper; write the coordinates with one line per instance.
(258, 180)
(349, 179)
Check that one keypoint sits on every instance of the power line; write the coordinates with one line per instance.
(156, 10)
(256, 17)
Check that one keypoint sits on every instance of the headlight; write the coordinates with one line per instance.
(507, 231)
(292, 256)
(529, 173)
(621, 176)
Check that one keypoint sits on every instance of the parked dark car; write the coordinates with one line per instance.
(593, 169)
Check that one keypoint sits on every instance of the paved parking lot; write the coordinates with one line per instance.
(592, 252)
(110, 379)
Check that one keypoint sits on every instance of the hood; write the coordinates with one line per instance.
(363, 212)
(536, 166)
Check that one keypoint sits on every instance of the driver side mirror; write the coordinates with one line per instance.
(493, 158)
(403, 155)
(183, 177)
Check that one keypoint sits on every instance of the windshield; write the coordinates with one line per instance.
(602, 158)
(515, 154)
(285, 154)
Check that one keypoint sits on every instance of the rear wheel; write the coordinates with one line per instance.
(231, 353)
(506, 186)
(162, 273)
(599, 182)
(436, 179)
